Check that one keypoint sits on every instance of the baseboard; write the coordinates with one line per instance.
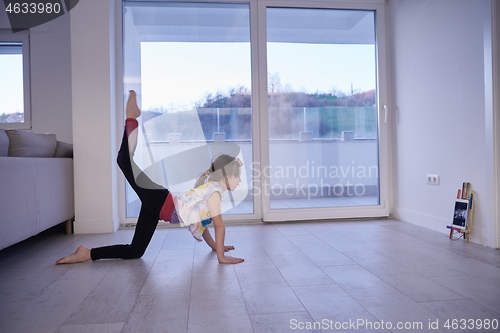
(422, 220)
(96, 227)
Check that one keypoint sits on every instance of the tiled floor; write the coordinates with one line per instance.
(364, 276)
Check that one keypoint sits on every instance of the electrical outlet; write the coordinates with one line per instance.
(432, 179)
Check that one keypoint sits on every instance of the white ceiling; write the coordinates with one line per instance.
(188, 22)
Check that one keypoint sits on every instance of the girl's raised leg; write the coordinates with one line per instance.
(132, 111)
(152, 198)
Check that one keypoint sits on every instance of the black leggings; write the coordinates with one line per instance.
(152, 198)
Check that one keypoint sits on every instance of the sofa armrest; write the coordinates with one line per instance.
(55, 194)
(35, 194)
(18, 216)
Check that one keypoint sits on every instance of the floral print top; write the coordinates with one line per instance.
(192, 208)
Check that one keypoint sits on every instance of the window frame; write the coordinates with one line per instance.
(258, 33)
(24, 38)
(383, 209)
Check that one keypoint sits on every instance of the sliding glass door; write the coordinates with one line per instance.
(297, 88)
(190, 65)
(322, 110)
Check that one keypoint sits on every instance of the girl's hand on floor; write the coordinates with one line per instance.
(230, 260)
(226, 248)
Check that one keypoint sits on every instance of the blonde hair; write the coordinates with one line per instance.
(222, 166)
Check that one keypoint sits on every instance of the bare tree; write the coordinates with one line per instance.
(273, 82)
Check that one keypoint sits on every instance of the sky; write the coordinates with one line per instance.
(177, 75)
(11, 83)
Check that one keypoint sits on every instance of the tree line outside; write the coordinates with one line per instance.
(323, 115)
(16, 117)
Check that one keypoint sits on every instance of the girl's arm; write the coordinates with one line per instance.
(220, 233)
(220, 230)
(208, 239)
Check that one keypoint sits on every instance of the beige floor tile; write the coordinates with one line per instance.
(294, 274)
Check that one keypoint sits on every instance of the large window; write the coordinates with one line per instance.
(322, 108)
(190, 64)
(14, 81)
(296, 87)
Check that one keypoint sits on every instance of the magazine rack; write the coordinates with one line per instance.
(464, 225)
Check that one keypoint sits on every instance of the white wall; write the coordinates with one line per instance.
(440, 125)
(94, 115)
(50, 49)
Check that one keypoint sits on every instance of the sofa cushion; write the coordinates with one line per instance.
(4, 143)
(64, 149)
(24, 144)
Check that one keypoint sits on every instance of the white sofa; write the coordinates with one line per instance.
(36, 184)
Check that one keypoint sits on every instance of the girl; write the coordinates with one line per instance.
(196, 209)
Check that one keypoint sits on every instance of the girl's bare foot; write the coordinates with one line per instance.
(132, 110)
(80, 255)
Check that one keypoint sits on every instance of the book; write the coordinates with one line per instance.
(460, 213)
(465, 190)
